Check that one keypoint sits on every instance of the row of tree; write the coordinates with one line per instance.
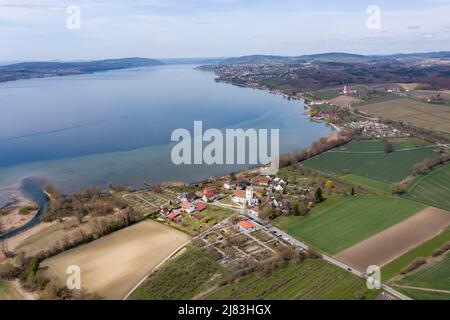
(318, 147)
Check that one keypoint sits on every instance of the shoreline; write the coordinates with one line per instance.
(17, 188)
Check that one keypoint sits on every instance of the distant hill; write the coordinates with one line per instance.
(29, 70)
(338, 57)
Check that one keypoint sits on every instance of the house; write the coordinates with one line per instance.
(349, 90)
(262, 181)
(200, 207)
(197, 216)
(254, 211)
(279, 184)
(209, 194)
(245, 197)
(188, 207)
(174, 215)
(189, 197)
(247, 226)
(164, 211)
(199, 194)
(229, 185)
(283, 204)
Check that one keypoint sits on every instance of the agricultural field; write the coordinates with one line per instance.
(114, 264)
(344, 101)
(426, 249)
(347, 221)
(183, 277)
(426, 115)
(396, 240)
(424, 295)
(45, 237)
(367, 159)
(432, 188)
(8, 292)
(434, 276)
(326, 94)
(307, 280)
(370, 184)
(430, 94)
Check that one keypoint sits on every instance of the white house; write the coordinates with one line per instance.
(229, 185)
(254, 211)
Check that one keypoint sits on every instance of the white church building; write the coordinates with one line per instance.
(246, 196)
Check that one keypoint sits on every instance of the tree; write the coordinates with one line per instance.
(388, 147)
(329, 184)
(296, 209)
(319, 195)
(267, 213)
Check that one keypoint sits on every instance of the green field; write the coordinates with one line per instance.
(341, 222)
(308, 280)
(435, 276)
(432, 188)
(367, 159)
(368, 183)
(326, 94)
(424, 250)
(424, 295)
(7, 292)
(181, 278)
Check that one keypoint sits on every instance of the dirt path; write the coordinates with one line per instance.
(25, 294)
(422, 289)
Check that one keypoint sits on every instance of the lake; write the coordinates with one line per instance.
(115, 127)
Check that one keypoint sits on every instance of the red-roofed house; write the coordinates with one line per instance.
(188, 207)
(200, 207)
(209, 194)
(174, 215)
(247, 226)
(197, 216)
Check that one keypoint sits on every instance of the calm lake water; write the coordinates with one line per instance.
(115, 127)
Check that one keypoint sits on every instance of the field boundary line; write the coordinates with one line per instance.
(170, 256)
(422, 289)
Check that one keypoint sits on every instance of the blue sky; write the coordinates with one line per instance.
(36, 29)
